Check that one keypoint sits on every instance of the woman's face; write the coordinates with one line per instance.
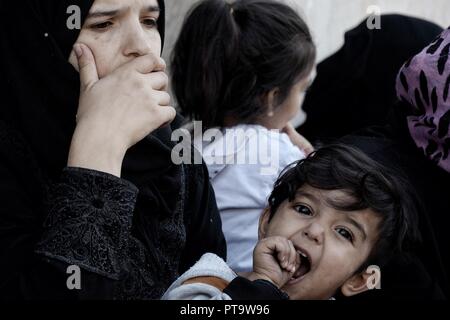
(118, 31)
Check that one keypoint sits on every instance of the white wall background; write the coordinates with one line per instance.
(328, 19)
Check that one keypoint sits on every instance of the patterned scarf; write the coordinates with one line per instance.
(423, 85)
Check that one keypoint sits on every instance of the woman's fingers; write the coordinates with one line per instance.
(147, 64)
(166, 114)
(86, 65)
(157, 80)
(162, 98)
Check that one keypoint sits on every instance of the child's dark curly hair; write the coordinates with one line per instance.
(369, 184)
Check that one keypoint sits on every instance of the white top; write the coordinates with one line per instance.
(243, 163)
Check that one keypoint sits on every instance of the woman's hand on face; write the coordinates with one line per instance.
(298, 140)
(274, 259)
(117, 111)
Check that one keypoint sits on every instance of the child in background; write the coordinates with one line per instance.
(334, 220)
(243, 68)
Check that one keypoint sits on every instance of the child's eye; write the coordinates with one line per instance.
(345, 233)
(102, 26)
(300, 208)
(150, 22)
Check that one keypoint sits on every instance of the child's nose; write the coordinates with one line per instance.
(314, 232)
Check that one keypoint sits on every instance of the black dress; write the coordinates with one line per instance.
(90, 222)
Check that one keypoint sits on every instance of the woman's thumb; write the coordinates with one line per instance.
(86, 65)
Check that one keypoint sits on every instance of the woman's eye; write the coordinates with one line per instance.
(102, 25)
(150, 22)
(303, 210)
(345, 233)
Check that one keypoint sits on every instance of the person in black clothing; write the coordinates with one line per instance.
(86, 176)
(416, 140)
(355, 87)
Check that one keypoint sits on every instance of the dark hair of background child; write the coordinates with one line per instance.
(229, 56)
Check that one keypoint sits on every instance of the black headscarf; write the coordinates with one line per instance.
(355, 87)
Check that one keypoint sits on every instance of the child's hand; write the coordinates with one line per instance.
(298, 140)
(274, 259)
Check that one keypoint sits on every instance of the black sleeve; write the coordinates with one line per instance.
(89, 221)
(202, 219)
(243, 289)
(87, 224)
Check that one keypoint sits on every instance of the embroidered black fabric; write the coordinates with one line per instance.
(89, 221)
(126, 244)
(89, 225)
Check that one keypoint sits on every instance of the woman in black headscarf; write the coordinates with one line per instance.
(81, 186)
(354, 87)
(416, 140)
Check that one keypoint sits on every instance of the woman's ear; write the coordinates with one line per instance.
(359, 283)
(263, 223)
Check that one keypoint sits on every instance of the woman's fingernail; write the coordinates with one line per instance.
(78, 50)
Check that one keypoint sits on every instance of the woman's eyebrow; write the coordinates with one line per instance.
(107, 13)
(152, 9)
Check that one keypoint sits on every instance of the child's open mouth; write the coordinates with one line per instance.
(305, 267)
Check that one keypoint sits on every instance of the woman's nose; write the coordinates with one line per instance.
(136, 43)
